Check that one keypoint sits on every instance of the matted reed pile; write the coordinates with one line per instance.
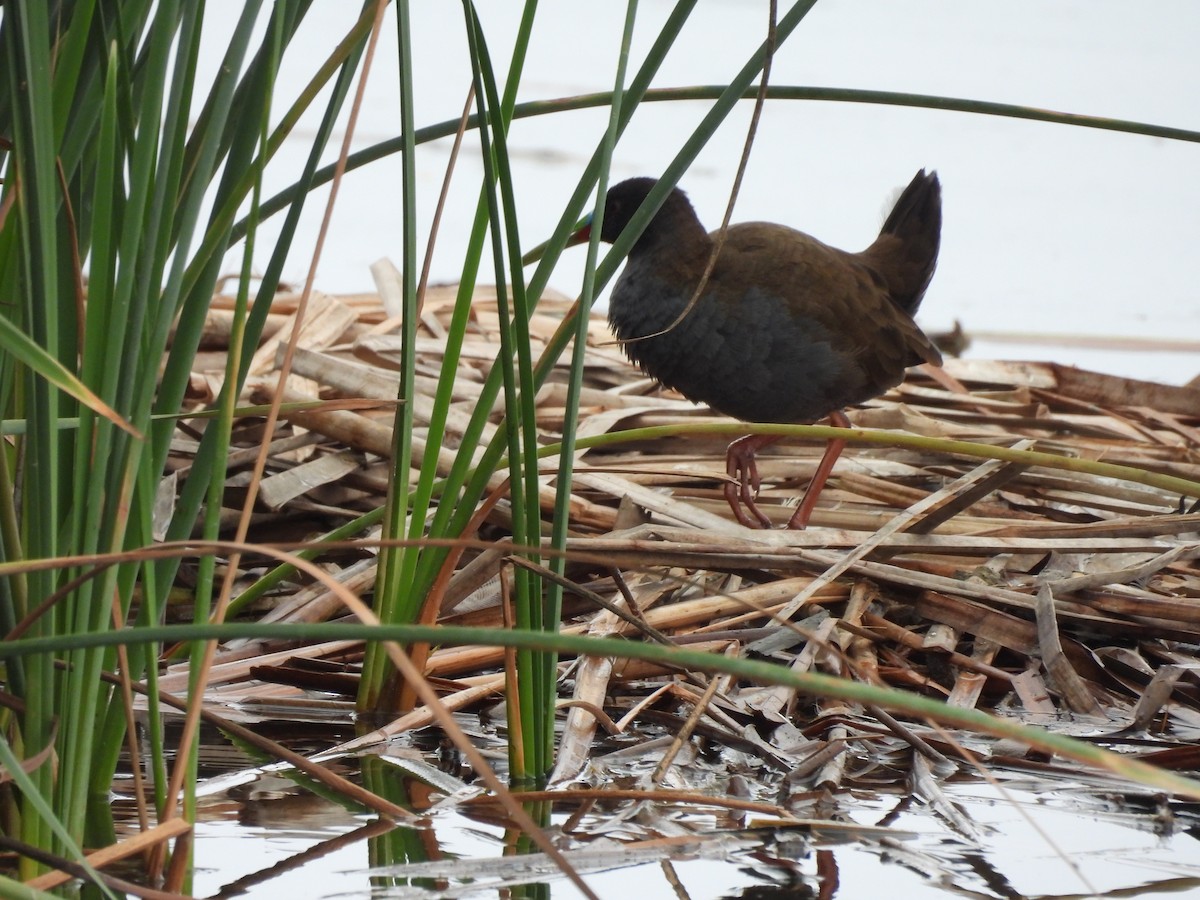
(1052, 596)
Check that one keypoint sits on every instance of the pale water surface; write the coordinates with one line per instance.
(1048, 229)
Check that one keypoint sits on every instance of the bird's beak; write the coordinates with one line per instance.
(582, 232)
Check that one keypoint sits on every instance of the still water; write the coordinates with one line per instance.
(1069, 232)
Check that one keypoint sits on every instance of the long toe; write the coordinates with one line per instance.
(735, 496)
(742, 469)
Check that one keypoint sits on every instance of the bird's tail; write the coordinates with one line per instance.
(907, 246)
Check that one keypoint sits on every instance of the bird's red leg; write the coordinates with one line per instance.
(799, 519)
(742, 469)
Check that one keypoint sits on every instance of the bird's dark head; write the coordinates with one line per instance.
(624, 200)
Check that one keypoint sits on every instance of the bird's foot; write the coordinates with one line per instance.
(742, 488)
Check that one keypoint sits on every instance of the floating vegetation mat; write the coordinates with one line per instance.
(1063, 595)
